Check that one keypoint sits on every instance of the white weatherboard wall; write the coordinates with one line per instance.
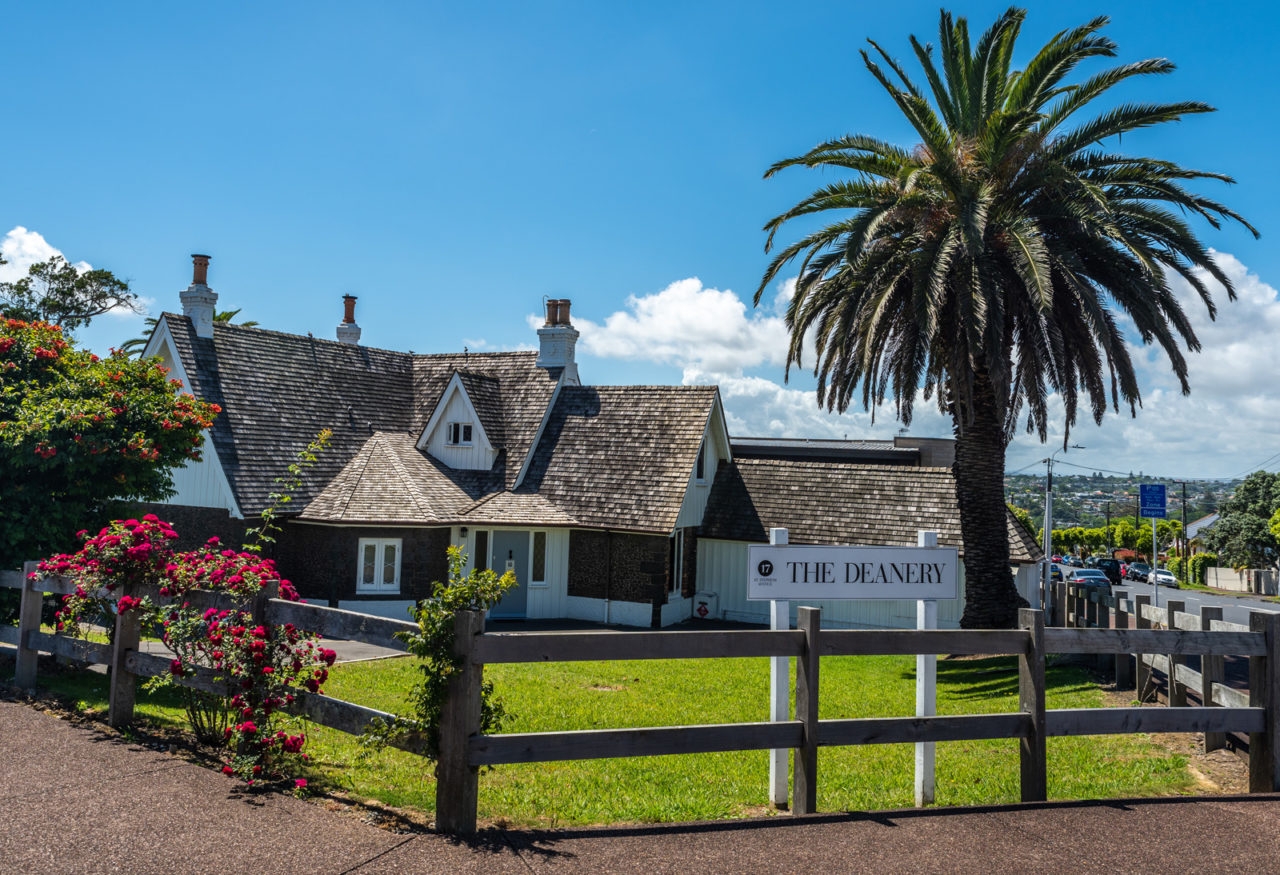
(477, 457)
(722, 569)
(698, 491)
(202, 484)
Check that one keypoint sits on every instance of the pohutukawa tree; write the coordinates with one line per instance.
(984, 267)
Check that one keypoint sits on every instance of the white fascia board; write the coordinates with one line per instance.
(717, 414)
(161, 339)
(454, 385)
(537, 437)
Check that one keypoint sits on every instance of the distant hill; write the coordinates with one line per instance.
(1082, 499)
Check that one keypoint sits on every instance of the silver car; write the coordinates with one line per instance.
(1163, 577)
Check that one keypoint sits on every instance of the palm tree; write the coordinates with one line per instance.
(138, 344)
(985, 266)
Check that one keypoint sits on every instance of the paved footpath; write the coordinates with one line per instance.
(74, 799)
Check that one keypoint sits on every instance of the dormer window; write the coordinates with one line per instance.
(459, 434)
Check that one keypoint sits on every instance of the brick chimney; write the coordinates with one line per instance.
(348, 330)
(556, 340)
(199, 302)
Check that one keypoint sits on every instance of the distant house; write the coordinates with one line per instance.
(620, 504)
(1197, 528)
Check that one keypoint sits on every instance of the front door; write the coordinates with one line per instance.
(511, 552)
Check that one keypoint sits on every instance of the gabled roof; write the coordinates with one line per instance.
(620, 457)
(279, 390)
(822, 503)
(486, 399)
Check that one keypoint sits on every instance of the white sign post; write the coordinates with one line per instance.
(779, 689)
(926, 687)
(780, 573)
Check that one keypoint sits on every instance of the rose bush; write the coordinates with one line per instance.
(261, 666)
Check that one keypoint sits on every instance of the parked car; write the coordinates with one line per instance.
(1057, 559)
(1138, 571)
(1162, 577)
(1055, 574)
(1110, 567)
(1089, 577)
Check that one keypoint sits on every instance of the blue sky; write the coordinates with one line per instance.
(451, 164)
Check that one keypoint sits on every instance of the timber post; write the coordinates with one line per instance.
(1143, 673)
(24, 676)
(805, 781)
(124, 683)
(1031, 695)
(458, 782)
(1264, 693)
(1124, 661)
(1212, 670)
(1177, 692)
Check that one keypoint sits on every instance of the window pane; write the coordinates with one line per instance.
(701, 471)
(389, 565)
(466, 434)
(453, 432)
(369, 563)
(539, 556)
(481, 559)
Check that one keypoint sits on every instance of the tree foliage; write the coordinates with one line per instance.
(77, 432)
(1244, 535)
(985, 266)
(56, 292)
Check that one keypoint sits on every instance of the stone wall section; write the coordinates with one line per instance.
(321, 561)
(618, 566)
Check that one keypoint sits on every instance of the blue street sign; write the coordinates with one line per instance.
(1151, 497)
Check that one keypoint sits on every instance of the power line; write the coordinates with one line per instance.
(1257, 467)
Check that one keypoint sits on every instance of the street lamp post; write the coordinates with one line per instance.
(1046, 571)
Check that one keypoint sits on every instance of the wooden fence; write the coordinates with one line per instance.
(464, 749)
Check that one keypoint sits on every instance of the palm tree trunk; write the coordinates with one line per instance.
(991, 600)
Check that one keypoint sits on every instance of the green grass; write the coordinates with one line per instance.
(561, 696)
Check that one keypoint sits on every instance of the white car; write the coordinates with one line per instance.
(1161, 577)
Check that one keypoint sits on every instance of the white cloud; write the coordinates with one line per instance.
(1231, 420)
(22, 247)
(687, 324)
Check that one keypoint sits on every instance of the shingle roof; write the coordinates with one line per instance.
(486, 397)
(823, 503)
(279, 390)
(390, 481)
(620, 457)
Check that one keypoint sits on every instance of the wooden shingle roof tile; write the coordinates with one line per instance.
(823, 503)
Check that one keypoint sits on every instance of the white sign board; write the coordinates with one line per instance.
(802, 572)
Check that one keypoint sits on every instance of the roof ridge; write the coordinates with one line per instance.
(352, 493)
(410, 485)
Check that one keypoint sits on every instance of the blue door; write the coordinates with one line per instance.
(511, 552)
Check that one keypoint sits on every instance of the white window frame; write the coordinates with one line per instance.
(701, 463)
(379, 586)
(459, 431)
(677, 563)
(546, 552)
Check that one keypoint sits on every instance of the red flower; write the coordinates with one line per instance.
(175, 668)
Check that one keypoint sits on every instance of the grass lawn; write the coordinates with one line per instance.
(558, 696)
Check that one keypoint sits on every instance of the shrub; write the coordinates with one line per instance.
(260, 665)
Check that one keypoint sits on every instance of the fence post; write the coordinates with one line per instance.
(1143, 671)
(1264, 693)
(124, 684)
(1177, 691)
(1090, 608)
(1124, 661)
(1212, 670)
(1082, 620)
(24, 675)
(805, 782)
(1035, 781)
(458, 782)
(1104, 622)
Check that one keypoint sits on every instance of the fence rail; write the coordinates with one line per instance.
(464, 749)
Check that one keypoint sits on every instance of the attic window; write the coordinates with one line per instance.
(700, 468)
(459, 434)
